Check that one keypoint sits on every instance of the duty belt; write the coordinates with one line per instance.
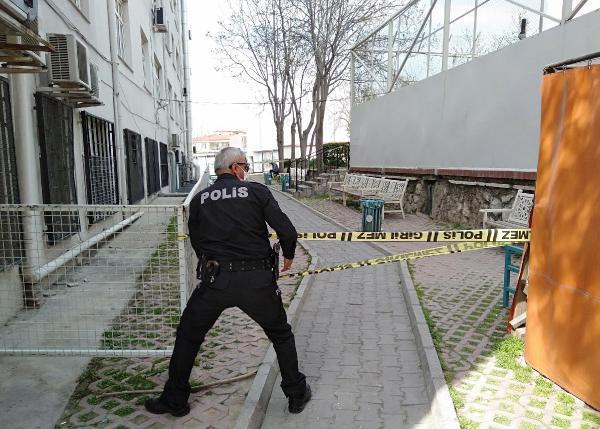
(262, 264)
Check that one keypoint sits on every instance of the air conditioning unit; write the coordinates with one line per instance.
(174, 140)
(159, 20)
(23, 10)
(94, 81)
(69, 65)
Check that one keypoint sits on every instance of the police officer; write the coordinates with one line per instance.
(228, 232)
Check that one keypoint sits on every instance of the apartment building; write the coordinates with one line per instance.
(94, 110)
(206, 147)
(105, 118)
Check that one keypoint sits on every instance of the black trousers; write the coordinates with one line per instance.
(256, 294)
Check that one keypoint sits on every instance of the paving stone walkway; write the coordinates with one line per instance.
(461, 294)
(355, 343)
(235, 346)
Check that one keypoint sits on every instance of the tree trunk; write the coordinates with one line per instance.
(318, 134)
(280, 143)
(293, 135)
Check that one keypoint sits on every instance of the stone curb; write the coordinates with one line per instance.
(255, 406)
(442, 409)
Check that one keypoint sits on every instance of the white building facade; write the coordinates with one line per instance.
(94, 110)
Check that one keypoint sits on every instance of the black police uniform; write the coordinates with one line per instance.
(227, 225)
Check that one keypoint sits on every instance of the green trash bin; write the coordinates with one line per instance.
(372, 210)
(268, 178)
(285, 182)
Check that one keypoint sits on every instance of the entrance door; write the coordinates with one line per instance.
(57, 162)
(135, 169)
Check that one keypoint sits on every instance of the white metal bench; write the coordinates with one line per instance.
(515, 217)
(392, 192)
(353, 184)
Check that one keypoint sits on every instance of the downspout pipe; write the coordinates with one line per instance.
(186, 77)
(114, 60)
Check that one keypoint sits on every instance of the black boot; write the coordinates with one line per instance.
(297, 403)
(157, 406)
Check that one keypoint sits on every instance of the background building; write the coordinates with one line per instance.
(205, 148)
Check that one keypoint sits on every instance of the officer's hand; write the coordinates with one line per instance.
(287, 264)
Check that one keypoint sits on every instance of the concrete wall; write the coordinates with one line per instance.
(482, 115)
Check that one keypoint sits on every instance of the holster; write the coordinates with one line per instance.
(207, 271)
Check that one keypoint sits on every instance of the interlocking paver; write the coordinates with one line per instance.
(236, 345)
(354, 324)
(462, 294)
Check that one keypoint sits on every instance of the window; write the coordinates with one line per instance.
(123, 45)
(176, 108)
(134, 152)
(170, 96)
(83, 6)
(146, 61)
(157, 78)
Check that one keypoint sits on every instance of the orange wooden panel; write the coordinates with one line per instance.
(563, 312)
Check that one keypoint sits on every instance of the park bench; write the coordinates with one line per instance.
(515, 217)
(391, 191)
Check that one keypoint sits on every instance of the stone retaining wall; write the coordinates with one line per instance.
(458, 201)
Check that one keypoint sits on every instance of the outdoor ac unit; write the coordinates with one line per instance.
(159, 20)
(68, 66)
(174, 140)
(94, 80)
(23, 10)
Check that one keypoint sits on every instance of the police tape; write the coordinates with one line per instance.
(466, 235)
(449, 249)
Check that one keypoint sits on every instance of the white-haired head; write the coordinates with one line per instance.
(228, 156)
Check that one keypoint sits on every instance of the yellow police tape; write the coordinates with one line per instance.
(444, 250)
(466, 235)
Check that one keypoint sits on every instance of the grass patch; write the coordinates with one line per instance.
(87, 417)
(504, 420)
(138, 382)
(560, 423)
(566, 409)
(533, 415)
(591, 417)
(457, 397)
(466, 423)
(565, 398)
(537, 403)
(543, 387)
(110, 404)
(124, 411)
(527, 425)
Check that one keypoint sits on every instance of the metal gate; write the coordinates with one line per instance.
(152, 166)
(100, 156)
(135, 168)
(57, 162)
(11, 247)
(164, 165)
(116, 290)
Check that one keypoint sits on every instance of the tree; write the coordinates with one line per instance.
(330, 28)
(251, 42)
(298, 58)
